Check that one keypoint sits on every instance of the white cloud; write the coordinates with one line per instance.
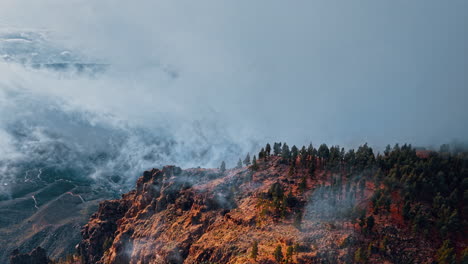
(209, 73)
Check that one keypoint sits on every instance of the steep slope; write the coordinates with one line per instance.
(48, 214)
(293, 214)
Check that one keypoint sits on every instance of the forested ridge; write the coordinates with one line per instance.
(291, 205)
(428, 188)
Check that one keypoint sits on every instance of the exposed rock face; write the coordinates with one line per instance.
(206, 216)
(165, 214)
(37, 256)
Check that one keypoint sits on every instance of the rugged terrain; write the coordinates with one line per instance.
(213, 216)
(47, 210)
(304, 207)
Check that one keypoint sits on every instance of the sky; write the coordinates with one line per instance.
(340, 72)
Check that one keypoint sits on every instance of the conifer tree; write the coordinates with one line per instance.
(387, 151)
(261, 154)
(278, 254)
(276, 191)
(222, 168)
(254, 163)
(310, 149)
(277, 149)
(294, 153)
(303, 156)
(247, 160)
(285, 153)
(239, 164)
(323, 151)
(268, 149)
(289, 253)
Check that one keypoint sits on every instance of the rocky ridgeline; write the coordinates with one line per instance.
(214, 216)
(159, 220)
(210, 216)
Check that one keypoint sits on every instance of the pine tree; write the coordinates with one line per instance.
(222, 168)
(268, 149)
(303, 156)
(310, 149)
(289, 253)
(276, 191)
(324, 152)
(285, 153)
(387, 151)
(239, 164)
(277, 149)
(254, 253)
(254, 163)
(294, 153)
(247, 160)
(261, 154)
(278, 254)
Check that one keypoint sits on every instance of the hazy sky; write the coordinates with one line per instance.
(341, 72)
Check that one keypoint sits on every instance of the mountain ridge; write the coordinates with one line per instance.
(291, 206)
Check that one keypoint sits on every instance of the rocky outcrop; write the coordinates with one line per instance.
(36, 256)
(208, 216)
(133, 227)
